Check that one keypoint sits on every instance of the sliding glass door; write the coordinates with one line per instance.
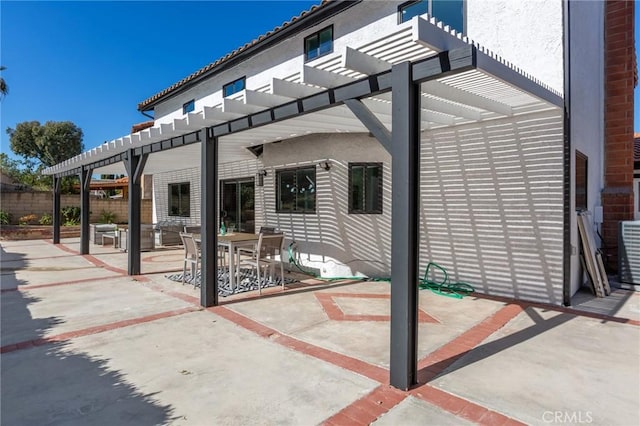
(238, 204)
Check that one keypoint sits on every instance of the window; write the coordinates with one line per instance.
(451, 12)
(582, 163)
(365, 188)
(318, 44)
(296, 190)
(189, 106)
(233, 87)
(179, 203)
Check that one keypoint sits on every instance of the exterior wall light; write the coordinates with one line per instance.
(260, 177)
(325, 165)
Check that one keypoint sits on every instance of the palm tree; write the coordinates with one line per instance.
(4, 89)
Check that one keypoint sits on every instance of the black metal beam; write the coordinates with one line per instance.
(56, 210)
(371, 122)
(85, 180)
(209, 221)
(405, 185)
(135, 166)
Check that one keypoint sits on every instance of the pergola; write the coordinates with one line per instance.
(412, 81)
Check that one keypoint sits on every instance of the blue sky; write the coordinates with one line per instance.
(92, 62)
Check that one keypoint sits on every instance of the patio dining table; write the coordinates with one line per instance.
(232, 241)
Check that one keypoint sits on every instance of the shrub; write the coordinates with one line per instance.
(70, 215)
(107, 217)
(27, 219)
(46, 219)
(5, 217)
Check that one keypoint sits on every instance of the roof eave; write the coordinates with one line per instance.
(321, 14)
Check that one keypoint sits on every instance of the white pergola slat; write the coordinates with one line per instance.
(292, 90)
(215, 115)
(323, 78)
(493, 89)
(364, 63)
(445, 91)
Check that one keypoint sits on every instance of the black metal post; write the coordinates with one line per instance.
(85, 181)
(134, 165)
(209, 220)
(56, 210)
(567, 213)
(405, 165)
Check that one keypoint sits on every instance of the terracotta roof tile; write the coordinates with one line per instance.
(228, 56)
(141, 126)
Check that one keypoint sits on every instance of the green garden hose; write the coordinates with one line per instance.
(444, 288)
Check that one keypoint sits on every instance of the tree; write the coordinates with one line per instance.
(48, 145)
(4, 89)
(23, 172)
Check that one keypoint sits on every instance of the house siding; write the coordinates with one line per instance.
(586, 53)
(491, 198)
(491, 204)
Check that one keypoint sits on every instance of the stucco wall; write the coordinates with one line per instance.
(587, 110)
(354, 27)
(332, 241)
(161, 183)
(492, 200)
(526, 33)
(491, 204)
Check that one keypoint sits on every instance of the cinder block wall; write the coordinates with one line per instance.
(620, 75)
(20, 204)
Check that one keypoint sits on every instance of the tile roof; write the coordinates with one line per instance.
(142, 106)
(141, 126)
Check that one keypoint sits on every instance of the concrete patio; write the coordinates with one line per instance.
(83, 343)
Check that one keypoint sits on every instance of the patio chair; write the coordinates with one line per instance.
(269, 230)
(269, 246)
(191, 256)
(192, 229)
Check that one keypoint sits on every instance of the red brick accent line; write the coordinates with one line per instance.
(446, 355)
(94, 330)
(462, 408)
(82, 281)
(333, 311)
(563, 309)
(368, 408)
(371, 371)
(62, 247)
(175, 294)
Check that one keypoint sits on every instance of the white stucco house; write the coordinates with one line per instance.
(499, 142)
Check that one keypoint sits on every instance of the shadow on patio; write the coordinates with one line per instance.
(47, 382)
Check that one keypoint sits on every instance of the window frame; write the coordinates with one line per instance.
(379, 187)
(278, 173)
(231, 84)
(169, 203)
(580, 156)
(317, 34)
(405, 5)
(429, 11)
(189, 106)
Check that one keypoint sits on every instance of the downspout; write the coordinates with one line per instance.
(147, 115)
(567, 249)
